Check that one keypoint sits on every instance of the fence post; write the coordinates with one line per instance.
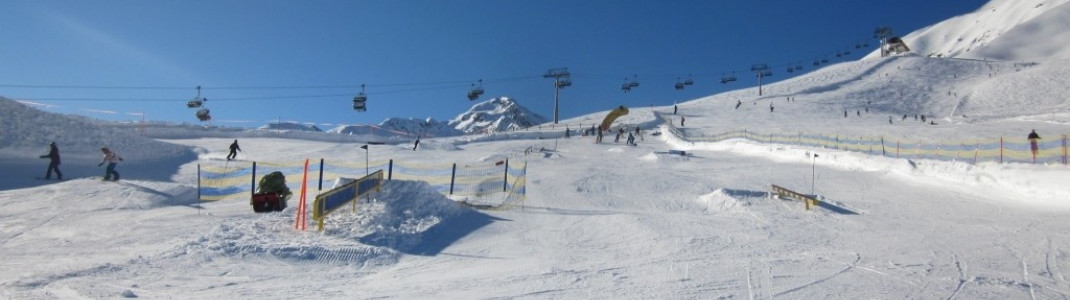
(453, 177)
(253, 190)
(976, 148)
(1064, 149)
(505, 181)
(320, 188)
(883, 151)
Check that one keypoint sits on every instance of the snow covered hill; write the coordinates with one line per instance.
(598, 220)
(290, 126)
(26, 131)
(1000, 30)
(495, 115)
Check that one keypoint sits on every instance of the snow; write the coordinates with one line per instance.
(599, 221)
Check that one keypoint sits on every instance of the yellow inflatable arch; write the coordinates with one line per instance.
(613, 115)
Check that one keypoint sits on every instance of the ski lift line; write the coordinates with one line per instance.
(113, 87)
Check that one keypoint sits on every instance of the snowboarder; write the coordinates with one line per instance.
(674, 109)
(416, 144)
(233, 150)
(619, 132)
(598, 140)
(112, 159)
(681, 121)
(770, 106)
(566, 132)
(631, 139)
(889, 119)
(638, 133)
(1034, 138)
(53, 163)
(845, 113)
(738, 103)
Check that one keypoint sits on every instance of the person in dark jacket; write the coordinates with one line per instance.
(53, 164)
(233, 150)
(1034, 138)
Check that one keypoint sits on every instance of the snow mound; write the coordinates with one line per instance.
(402, 218)
(720, 201)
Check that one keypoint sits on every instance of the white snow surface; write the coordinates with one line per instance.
(999, 30)
(600, 220)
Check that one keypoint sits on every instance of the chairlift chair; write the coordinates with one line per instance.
(476, 91)
(679, 85)
(564, 83)
(360, 100)
(196, 101)
(203, 115)
(689, 82)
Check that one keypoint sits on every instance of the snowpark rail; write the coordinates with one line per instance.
(999, 150)
(480, 184)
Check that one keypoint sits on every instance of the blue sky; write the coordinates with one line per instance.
(303, 61)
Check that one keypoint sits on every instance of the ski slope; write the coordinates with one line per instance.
(600, 220)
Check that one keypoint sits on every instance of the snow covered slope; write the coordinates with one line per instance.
(1000, 30)
(25, 133)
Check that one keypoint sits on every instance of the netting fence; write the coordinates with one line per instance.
(495, 184)
(999, 150)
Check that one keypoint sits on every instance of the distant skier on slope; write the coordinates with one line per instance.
(112, 159)
(53, 164)
(233, 150)
(1034, 138)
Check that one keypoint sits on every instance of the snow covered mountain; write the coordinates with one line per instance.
(495, 115)
(1000, 30)
(499, 114)
(290, 126)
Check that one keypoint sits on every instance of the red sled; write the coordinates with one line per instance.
(268, 202)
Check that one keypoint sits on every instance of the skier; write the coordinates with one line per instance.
(738, 103)
(598, 140)
(674, 109)
(681, 121)
(233, 150)
(53, 164)
(770, 106)
(416, 144)
(112, 159)
(1034, 138)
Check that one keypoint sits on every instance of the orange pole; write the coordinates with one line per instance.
(300, 222)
